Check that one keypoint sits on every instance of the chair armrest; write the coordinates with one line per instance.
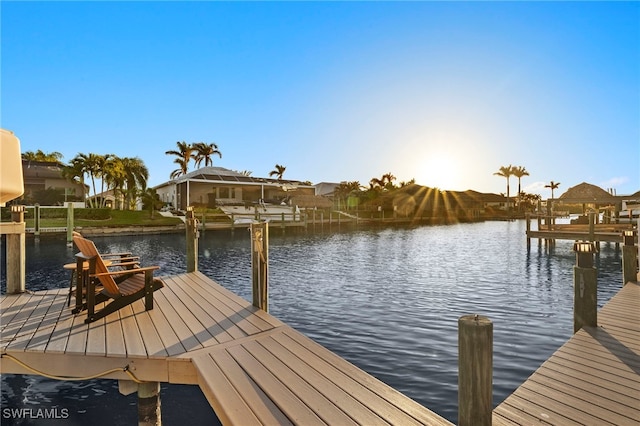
(127, 271)
(125, 254)
(134, 263)
(125, 259)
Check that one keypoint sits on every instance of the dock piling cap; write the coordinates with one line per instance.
(584, 247)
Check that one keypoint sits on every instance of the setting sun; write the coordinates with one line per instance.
(439, 170)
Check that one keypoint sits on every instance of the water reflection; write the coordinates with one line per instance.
(387, 300)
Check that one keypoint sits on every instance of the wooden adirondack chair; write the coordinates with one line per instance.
(119, 288)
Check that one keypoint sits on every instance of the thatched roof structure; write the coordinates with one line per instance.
(311, 201)
(587, 193)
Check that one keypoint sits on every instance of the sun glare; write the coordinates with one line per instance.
(438, 171)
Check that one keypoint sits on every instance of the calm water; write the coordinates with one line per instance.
(388, 300)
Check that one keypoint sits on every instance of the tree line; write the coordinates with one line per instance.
(126, 177)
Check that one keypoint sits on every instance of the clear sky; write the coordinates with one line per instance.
(443, 92)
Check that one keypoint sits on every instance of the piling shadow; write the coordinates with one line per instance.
(617, 348)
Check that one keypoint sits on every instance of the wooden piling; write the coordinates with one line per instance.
(16, 252)
(149, 413)
(260, 265)
(475, 370)
(192, 240)
(585, 287)
(70, 217)
(629, 258)
(36, 219)
(528, 218)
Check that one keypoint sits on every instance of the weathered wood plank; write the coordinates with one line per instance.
(187, 340)
(42, 336)
(30, 320)
(281, 371)
(382, 399)
(227, 318)
(132, 337)
(333, 392)
(239, 306)
(97, 338)
(196, 329)
(295, 409)
(195, 305)
(150, 337)
(235, 398)
(77, 343)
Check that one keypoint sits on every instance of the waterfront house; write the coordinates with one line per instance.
(45, 184)
(217, 186)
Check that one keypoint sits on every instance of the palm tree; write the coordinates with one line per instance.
(553, 185)
(204, 151)
(184, 154)
(50, 157)
(136, 175)
(74, 172)
(506, 172)
(279, 171)
(113, 173)
(385, 182)
(519, 172)
(150, 200)
(87, 164)
(104, 171)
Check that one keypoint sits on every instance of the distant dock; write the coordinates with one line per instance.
(549, 230)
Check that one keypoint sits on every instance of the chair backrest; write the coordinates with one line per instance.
(88, 249)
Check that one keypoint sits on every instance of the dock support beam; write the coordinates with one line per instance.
(260, 264)
(149, 404)
(192, 240)
(475, 370)
(585, 287)
(629, 257)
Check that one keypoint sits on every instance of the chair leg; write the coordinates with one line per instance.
(148, 290)
(73, 273)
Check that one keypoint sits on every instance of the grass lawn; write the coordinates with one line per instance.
(117, 218)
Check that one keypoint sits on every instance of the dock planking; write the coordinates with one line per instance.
(593, 379)
(252, 368)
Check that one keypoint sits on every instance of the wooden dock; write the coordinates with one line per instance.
(594, 379)
(252, 368)
(596, 232)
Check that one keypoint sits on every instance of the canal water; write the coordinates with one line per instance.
(388, 300)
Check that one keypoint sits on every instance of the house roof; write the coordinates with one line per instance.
(220, 174)
(326, 188)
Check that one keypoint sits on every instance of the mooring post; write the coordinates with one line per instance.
(475, 370)
(592, 226)
(149, 404)
(36, 217)
(585, 287)
(192, 240)
(528, 218)
(629, 257)
(260, 264)
(70, 218)
(16, 257)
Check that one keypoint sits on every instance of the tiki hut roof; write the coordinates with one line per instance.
(587, 193)
(311, 201)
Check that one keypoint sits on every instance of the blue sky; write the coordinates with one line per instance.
(443, 92)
